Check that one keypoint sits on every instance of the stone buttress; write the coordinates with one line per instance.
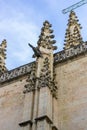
(40, 105)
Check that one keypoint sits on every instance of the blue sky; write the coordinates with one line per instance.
(21, 22)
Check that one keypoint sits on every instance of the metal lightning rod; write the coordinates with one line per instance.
(72, 7)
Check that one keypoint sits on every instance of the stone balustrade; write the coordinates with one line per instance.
(70, 53)
(20, 71)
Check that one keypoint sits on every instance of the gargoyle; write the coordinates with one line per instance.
(37, 52)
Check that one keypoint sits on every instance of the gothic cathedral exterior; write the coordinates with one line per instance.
(51, 92)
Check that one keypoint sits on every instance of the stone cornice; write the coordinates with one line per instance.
(58, 58)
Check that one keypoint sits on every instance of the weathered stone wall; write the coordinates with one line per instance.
(71, 76)
(72, 94)
(11, 104)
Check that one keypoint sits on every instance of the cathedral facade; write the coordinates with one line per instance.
(51, 92)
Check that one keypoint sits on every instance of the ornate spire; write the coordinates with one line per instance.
(46, 37)
(72, 35)
(42, 74)
(3, 46)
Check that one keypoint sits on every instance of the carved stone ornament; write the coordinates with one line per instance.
(45, 79)
(44, 48)
(37, 52)
(46, 37)
(31, 80)
(3, 46)
(15, 73)
(70, 53)
(73, 36)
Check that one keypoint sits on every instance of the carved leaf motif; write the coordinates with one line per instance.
(3, 46)
(45, 78)
(30, 86)
(73, 36)
(46, 37)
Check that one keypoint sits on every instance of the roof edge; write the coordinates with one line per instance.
(70, 53)
(59, 57)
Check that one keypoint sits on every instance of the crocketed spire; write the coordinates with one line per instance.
(46, 37)
(3, 46)
(72, 35)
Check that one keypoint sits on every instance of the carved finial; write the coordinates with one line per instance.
(73, 36)
(46, 37)
(3, 46)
